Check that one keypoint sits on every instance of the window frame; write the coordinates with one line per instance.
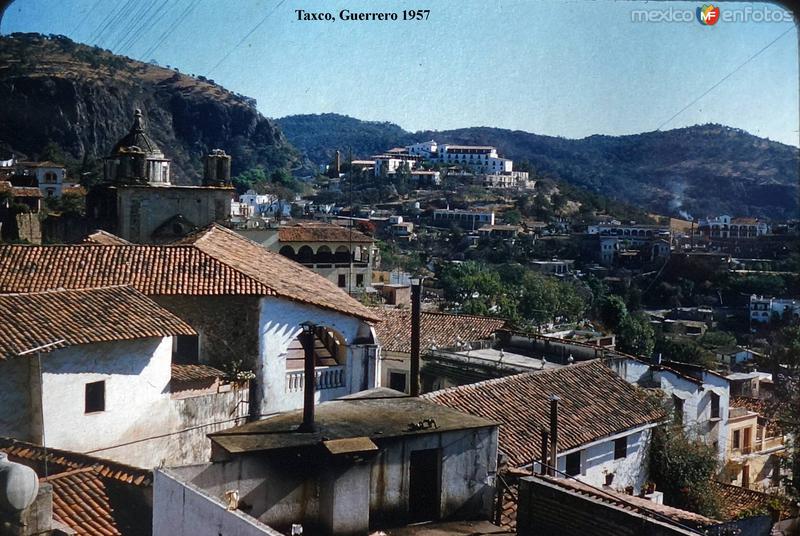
(569, 460)
(621, 448)
(91, 403)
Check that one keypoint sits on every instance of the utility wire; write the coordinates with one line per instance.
(115, 19)
(184, 14)
(138, 32)
(133, 21)
(712, 88)
(237, 45)
(85, 18)
(127, 26)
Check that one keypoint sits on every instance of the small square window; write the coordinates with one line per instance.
(95, 397)
(573, 464)
(342, 280)
(714, 406)
(359, 280)
(620, 448)
(397, 381)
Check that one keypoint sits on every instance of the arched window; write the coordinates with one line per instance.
(287, 251)
(305, 254)
(342, 255)
(324, 254)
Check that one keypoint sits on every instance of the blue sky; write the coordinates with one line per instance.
(564, 68)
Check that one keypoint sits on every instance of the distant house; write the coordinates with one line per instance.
(699, 397)
(440, 330)
(50, 177)
(604, 423)
(756, 447)
(728, 227)
(466, 219)
(763, 309)
(344, 256)
(93, 371)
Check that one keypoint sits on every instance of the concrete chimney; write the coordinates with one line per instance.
(553, 434)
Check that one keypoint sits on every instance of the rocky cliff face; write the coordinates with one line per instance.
(82, 98)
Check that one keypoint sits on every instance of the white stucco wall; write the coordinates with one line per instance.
(141, 424)
(182, 509)
(597, 460)
(279, 325)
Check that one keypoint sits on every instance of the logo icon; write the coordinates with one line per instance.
(708, 15)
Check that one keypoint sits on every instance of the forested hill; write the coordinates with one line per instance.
(59, 98)
(700, 170)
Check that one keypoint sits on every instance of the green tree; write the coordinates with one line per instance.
(684, 469)
(685, 350)
(613, 311)
(635, 336)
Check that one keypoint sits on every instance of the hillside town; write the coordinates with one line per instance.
(480, 351)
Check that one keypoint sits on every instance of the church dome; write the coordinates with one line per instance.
(138, 139)
(18, 485)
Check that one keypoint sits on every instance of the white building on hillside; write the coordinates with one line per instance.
(762, 309)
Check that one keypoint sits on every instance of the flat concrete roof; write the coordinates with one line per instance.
(507, 358)
(375, 414)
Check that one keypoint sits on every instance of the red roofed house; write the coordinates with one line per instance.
(604, 422)
(437, 330)
(245, 303)
(344, 256)
(91, 371)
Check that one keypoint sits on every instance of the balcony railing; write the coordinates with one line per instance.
(326, 378)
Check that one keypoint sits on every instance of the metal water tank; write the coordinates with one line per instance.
(19, 485)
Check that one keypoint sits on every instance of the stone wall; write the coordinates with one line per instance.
(141, 210)
(228, 326)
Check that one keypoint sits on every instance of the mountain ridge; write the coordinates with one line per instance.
(82, 99)
(696, 170)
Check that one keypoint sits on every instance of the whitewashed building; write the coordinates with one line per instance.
(245, 303)
(699, 398)
(94, 371)
(604, 422)
(50, 177)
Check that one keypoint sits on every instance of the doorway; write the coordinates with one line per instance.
(425, 485)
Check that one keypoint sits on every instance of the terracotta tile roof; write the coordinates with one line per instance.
(275, 272)
(631, 502)
(81, 502)
(46, 163)
(63, 460)
(73, 190)
(214, 261)
(770, 411)
(595, 403)
(321, 232)
(104, 238)
(20, 191)
(738, 500)
(72, 317)
(440, 329)
(194, 372)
